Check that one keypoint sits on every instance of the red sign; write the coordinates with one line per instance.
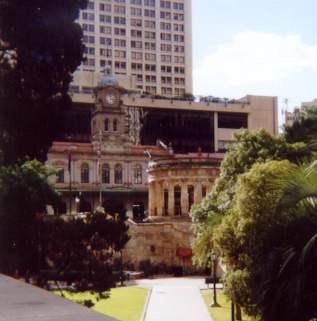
(184, 252)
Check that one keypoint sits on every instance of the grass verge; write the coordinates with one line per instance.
(124, 303)
(223, 313)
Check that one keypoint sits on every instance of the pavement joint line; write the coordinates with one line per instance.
(146, 305)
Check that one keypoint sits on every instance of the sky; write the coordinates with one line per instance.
(261, 47)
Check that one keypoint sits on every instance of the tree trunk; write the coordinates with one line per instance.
(238, 313)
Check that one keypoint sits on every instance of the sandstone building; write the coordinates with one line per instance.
(151, 158)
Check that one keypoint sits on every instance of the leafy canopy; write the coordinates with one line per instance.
(24, 193)
(40, 48)
(268, 242)
(303, 129)
(249, 148)
(80, 251)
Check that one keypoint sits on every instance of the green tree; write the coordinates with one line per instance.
(80, 251)
(289, 288)
(40, 48)
(265, 241)
(249, 148)
(304, 129)
(24, 193)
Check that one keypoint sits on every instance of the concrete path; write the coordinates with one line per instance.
(176, 299)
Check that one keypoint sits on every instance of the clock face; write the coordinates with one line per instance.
(110, 98)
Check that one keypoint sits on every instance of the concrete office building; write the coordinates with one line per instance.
(148, 44)
(291, 116)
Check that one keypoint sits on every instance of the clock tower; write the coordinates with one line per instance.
(108, 122)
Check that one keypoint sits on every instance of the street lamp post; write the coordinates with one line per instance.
(99, 166)
(213, 258)
(70, 149)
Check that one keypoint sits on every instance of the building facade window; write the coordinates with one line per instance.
(203, 191)
(177, 200)
(84, 173)
(118, 174)
(106, 124)
(136, 22)
(190, 191)
(138, 174)
(165, 209)
(136, 12)
(166, 4)
(136, 44)
(149, 24)
(105, 174)
(115, 125)
(150, 3)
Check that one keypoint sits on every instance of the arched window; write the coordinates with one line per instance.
(60, 175)
(84, 173)
(105, 174)
(106, 123)
(115, 125)
(137, 174)
(177, 200)
(118, 174)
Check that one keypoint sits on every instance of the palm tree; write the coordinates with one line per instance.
(289, 289)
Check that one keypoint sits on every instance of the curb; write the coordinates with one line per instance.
(146, 305)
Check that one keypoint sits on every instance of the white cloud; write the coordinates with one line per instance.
(253, 60)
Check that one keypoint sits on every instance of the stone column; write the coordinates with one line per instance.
(197, 192)
(159, 198)
(184, 199)
(170, 199)
(151, 199)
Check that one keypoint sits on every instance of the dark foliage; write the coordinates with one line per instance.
(304, 129)
(80, 251)
(40, 48)
(24, 192)
(289, 293)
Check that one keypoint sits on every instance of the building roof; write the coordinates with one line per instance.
(87, 148)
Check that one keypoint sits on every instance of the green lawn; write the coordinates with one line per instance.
(124, 304)
(224, 312)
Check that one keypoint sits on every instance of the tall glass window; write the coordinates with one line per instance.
(84, 173)
(165, 209)
(177, 200)
(115, 125)
(118, 174)
(138, 174)
(105, 174)
(106, 123)
(190, 190)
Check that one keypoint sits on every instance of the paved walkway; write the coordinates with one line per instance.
(176, 299)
